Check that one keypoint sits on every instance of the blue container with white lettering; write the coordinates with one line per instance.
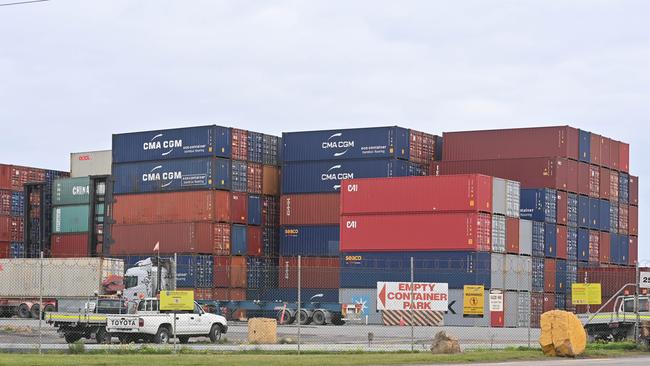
(170, 175)
(572, 243)
(539, 205)
(190, 142)
(315, 241)
(326, 176)
(343, 144)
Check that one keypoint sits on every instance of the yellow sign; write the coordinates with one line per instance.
(177, 300)
(473, 301)
(585, 294)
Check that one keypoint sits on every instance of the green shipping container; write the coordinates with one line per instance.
(71, 191)
(72, 219)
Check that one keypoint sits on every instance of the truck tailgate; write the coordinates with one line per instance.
(122, 323)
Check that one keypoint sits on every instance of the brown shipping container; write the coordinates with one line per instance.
(633, 220)
(549, 275)
(634, 250)
(199, 293)
(536, 308)
(239, 144)
(310, 209)
(605, 248)
(5, 248)
(549, 302)
(254, 241)
(604, 185)
(13, 177)
(611, 279)
(532, 173)
(221, 233)
(613, 185)
(230, 272)
(594, 246)
(634, 190)
(614, 153)
(594, 181)
(235, 294)
(512, 235)
(624, 157)
(11, 229)
(270, 180)
(186, 237)
(153, 208)
(316, 272)
(254, 178)
(561, 141)
(562, 208)
(605, 159)
(595, 149)
(562, 236)
(572, 176)
(69, 246)
(584, 177)
(239, 207)
(623, 219)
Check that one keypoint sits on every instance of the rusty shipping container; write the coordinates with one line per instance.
(613, 185)
(633, 220)
(604, 185)
(69, 245)
(316, 272)
(466, 193)
(270, 180)
(634, 190)
(584, 178)
(531, 173)
(239, 208)
(561, 242)
(624, 157)
(604, 250)
(605, 146)
(310, 209)
(389, 232)
(595, 149)
(239, 140)
(562, 208)
(230, 272)
(614, 154)
(594, 181)
(512, 235)
(254, 178)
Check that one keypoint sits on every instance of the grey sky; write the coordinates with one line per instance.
(73, 72)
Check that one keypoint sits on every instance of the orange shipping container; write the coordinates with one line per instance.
(270, 180)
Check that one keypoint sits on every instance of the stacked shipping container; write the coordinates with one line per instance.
(208, 194)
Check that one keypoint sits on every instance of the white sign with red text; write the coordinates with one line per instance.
(426, 296)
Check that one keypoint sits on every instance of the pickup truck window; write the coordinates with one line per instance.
(197, 309)
(148, 305)
(644, 305)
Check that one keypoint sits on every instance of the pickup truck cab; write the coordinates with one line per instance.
(618, 324)
(152, 325)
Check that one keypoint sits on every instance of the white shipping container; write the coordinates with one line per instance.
(525, 237)
(523, 310)
(518, 272)
(83, 164)
(498, 234)
(498, 268)
(513, 191)
(511, 309)
(498, 196)
(62, 277)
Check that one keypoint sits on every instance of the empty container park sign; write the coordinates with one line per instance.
(412, 296)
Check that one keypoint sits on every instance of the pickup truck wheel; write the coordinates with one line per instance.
(162, 336)
(215, 333)
(71, 337)
(102, 336)
(183, 339)
(23, 311)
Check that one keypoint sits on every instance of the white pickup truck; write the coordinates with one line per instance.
(151, 325)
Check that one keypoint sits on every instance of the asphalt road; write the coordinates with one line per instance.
(632, 361)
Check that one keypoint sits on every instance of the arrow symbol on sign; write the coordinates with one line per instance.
(382, 296)
(450, 305)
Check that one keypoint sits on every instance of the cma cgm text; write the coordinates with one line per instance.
(154, 145)
(152, 177)
(337, 144)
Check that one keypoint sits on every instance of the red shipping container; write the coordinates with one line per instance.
(310, 209)
(13, 177)
(254, 239)
(11, 228)
(70, 246)
(584, 177)
(422, 147)
(549, 275)
(595, 149)
(562, 208)
(497, 319)
(605, 158)
(5, 249)
(417, 194)
(188, 237)
(536, 308)
(239, 144)
(633, 220)
(594, 181)
(559, 141)
(199, 293)
(239, 207)
(624, 219)
(532, 173)
(611, 279)
(153, 208)
(549, 302)
(512, 235)
(624, 157)
(5, 202)
(633, 257)
(270, 211)
(614, 154)
(424, 232)
(604, 184)
(605, 249)
(613, 185)
(5, 228)
(634, 190)
(221, 235)
(562, 235)
(235, 294)
(254, 178)
(316, 272)
(572, 176)
(230, 272)
(594, 246)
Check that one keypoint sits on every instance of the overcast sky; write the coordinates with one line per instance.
(74, 72)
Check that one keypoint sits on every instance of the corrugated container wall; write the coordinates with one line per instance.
(83, 164)
(310, 209)
(71, 191)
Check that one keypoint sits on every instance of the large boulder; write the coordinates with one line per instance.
(562, 334)
(444, 344)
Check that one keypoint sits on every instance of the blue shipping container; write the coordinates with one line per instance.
(560, 302)
(560, 276)
(539, 205)
(239, 176)
(572, 243)
(17, 250)
(594, 213)
(583, 212)
(550, 240)
(365, 269)
(17, 203)
(271, 150)
(584, 146)
(191, 142)
(262, 273)
(583, 245)
(624, 187)
(270, 241)
(167, 176)
(538, 239)
(571, 274)
(326, 176)
(604, 215)
(624, 249)
(315, 241)
(238, 240)
(357, 143)
(538, 274)
(614, 248)
(254, 210)
(255, 149)
(572, 206)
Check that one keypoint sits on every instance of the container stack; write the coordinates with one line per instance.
(576, 190)
(314, 163)
(71, 217)
(209, 195)
(12, 209)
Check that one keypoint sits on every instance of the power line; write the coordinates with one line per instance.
(23, 2)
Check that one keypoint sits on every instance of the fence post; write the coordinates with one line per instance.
(530, 299)
(40, 307)
(299, 300)
(636, 304)
(411, 310)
